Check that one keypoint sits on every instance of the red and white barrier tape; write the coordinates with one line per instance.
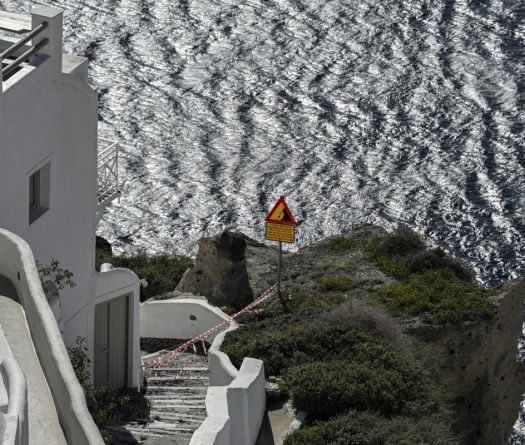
(266, 295)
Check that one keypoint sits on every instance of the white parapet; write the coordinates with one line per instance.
(18, 265)
(235, 410)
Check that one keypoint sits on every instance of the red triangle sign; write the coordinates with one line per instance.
(280, 214)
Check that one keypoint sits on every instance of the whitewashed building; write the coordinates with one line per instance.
(56, 176)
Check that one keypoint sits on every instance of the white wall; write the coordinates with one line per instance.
(234, 411)
(17, 264)
(48, 116)
(215, 430)
(174, 318)
(221, 370)
(247, 402)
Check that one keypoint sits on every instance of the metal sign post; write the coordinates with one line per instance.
(279, 266)
(280, 226)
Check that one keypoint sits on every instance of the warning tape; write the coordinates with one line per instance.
(173, 354)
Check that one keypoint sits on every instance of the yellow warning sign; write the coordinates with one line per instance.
(280, 232)
(281, 213)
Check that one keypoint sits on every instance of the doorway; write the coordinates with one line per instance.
(111, 343)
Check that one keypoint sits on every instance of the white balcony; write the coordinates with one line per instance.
(107, 174)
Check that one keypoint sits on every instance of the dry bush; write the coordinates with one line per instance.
(372, 319)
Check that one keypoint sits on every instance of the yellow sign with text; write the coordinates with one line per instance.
(280, 232)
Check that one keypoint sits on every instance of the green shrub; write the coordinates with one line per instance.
(372, 378)
(339, 283)
(399, 243)
(162, 272)
(80, 361)
(437, 295)
(108, 405)
(403, 253)
(365, 428)
(437, 259)
(286, 341)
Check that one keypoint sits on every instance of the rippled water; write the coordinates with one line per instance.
(358, 111)
(381, 111)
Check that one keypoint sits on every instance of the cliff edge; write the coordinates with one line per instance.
(469, 347)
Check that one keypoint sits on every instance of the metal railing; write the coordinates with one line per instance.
(14, 380)
(107, 172)
(10, 67)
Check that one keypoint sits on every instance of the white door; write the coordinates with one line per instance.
(111, 343)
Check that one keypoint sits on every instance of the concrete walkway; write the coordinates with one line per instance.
(44, 427)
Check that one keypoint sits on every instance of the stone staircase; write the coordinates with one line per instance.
(176, 396)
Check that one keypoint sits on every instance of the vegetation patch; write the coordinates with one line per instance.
(438, 296)
(368, 428)
(289, 340)
(438, 288)
(338, 283)
(340, 244)
(308, 302)
(162, 272)
(403, 253)
(372, 378)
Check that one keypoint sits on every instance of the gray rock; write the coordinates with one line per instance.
(220, 272)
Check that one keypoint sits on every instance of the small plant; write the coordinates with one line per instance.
(80, 361)
(62, 278)
(229, 310)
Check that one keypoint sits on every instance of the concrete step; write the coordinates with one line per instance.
(154, 428)
(170, 390)
(179, 403)
(192, 380)
(180, 372)
(179, 418)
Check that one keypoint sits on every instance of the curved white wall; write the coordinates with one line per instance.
(180, 318)
(221, 370)
(235, 410)
(17, 264)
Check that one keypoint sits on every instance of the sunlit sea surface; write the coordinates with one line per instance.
(357, 111)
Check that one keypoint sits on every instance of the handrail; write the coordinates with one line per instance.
(15, 381)
(14, 378)
(26, 55)
(34, 32)
(108, 153)
(107, 172)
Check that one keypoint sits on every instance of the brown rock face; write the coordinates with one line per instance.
(478, 367)
(220, 272)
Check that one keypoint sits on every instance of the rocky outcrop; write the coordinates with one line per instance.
(220, 272)
(478, 367)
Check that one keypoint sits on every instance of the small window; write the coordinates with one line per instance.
(39, 193)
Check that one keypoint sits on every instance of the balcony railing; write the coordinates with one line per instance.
(107, 173)
(11, 59)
